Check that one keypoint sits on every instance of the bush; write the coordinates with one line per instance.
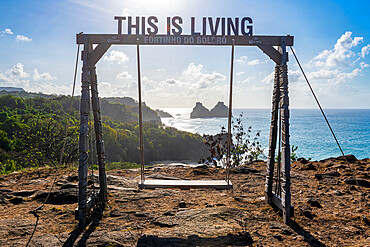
(243, 148)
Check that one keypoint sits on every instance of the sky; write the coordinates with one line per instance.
(331, 39)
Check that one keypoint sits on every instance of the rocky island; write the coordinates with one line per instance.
(219, 110)
(163, 114)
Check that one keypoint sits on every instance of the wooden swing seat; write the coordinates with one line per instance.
(185, 184)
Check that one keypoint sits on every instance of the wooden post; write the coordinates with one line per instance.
(284, 112)
(142, 177)
(100, 151)
(83, 137)
(273, 136)
(229, 136)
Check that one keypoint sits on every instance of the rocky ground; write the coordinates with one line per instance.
(330, 208)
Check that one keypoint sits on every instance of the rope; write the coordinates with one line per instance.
(278, 167)
(92, 146)
(34, 212)
(140, 114)
(332, 132)
(230, 114)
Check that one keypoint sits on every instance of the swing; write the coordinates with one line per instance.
(185, 184)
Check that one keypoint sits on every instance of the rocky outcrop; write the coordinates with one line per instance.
(162, 114)
(199, 111)
(220, 110)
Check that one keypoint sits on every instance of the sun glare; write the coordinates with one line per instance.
(159, 6)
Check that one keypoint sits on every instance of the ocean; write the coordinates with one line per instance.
(308, 129)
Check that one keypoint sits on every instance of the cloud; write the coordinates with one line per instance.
(256, 62)
(268, 78)
(128, 12)
(240, 73)
(340, 53)
(17, 71)
(333, 77)
(242, 59)
(36, 76)
(7, 31)
(365, 50)
(105, 85)
(194, 76)
(49, 88)
(364, 65)
(169, 82)
(124, 75)
(20, 38)
(18, 77)
(117, 57)
(193, 84)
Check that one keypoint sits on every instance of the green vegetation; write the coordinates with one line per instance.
(244, 148)
(32, 130)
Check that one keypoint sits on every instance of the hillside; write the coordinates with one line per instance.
(32, 132)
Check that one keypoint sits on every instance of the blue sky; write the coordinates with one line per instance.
(37, 51)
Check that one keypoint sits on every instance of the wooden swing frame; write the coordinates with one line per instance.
(273, 46)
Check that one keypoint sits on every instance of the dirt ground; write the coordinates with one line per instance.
(330, 209)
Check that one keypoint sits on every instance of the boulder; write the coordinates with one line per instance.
(220, 110)
(199, 111)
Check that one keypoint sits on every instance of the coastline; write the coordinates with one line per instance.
(308, 129)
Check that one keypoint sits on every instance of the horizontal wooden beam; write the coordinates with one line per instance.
(213, 40)
(91, 202)
(276, 201)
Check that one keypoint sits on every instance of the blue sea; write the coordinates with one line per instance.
(308, 129)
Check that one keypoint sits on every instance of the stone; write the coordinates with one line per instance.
(62, 196)
(142, 214)
(314, 203)
(169, 213)
(72, 178)
(116, 213)
(274, 225)
(338, 193)
(4, 200)
(303, 160)
(165, 221)
(360, 182)
(320, 176)
(350, 158)
(278, 237)
(308, 214)
(68, 186)
(16, 200)
(199, 111)
(307, 167)
(24, 193)
(182, 204)
(243, 170)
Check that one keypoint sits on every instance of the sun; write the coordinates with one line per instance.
(159, 6)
